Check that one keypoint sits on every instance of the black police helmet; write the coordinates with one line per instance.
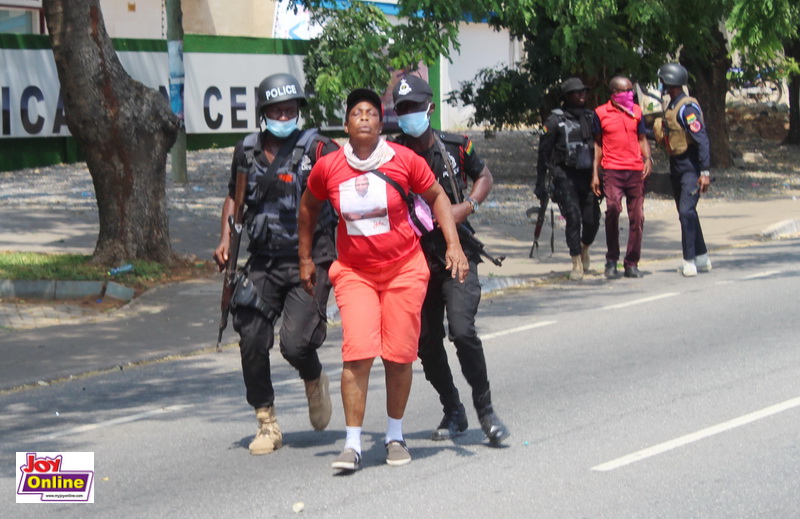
(572, 84)
(278, 88)
(673, 74)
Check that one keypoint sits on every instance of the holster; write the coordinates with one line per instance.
(246, 295)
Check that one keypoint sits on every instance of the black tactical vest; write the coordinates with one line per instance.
(573, 152)
(273, 202)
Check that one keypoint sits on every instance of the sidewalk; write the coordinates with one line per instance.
(184, 317)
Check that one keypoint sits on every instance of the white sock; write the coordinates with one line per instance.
(394, 430)
(353, 440)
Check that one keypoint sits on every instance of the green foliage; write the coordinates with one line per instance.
(359, 47)
(349, 54)
(761, 28)
(592, 39)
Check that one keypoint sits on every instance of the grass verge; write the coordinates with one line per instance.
(77, 267)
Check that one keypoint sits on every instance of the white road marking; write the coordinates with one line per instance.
(697, 436)
(115, 421)
(516, 330)
(640, 301)
(764, 274)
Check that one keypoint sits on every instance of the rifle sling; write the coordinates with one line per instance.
(450, 173)
(285, 151)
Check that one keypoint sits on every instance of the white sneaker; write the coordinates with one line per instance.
(689, 268)
(703, 263)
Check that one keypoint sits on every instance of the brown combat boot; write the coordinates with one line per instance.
(269, 436)
(585, 257)
(319, 401)
(577, 269)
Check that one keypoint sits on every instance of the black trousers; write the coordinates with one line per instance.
(303, 326)
(460, 301)
(683, 176)
(579, 206)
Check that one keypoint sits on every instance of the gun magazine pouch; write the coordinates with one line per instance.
(245, 295)
(584, 155)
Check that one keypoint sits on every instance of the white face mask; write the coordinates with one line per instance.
(415, 124)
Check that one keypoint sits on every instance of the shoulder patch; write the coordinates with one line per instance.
(469, 148)
(695, 126)
(691, 118)
(453, 138)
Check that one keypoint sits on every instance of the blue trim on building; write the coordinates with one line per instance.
(385, 7)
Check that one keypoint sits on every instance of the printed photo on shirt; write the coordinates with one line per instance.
(363, 206)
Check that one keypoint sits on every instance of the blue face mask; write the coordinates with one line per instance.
(281, 129)
(414, 124)
(662, 88)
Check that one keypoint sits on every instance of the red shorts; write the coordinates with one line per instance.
(380, 308)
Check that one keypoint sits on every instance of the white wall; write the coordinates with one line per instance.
(134, 18)
(481, 47)
(229, 17)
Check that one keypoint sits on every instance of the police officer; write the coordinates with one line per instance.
(566, 148)
(684, 135)
(279, 159)
(453, 159)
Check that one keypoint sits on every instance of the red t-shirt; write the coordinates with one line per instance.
(373, 226)
(620, 134)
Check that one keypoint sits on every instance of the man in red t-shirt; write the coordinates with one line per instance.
(622, 151)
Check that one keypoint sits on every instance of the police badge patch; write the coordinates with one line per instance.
(405, 88)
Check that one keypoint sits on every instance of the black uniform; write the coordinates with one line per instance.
(273, 269)
(566, 149)
(684, 172)
(460, 300)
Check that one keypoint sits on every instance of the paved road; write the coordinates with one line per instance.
(694, 411)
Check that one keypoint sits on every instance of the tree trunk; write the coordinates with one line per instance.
(709, 69)
(793, 137)
(124, 129)
(792, 50)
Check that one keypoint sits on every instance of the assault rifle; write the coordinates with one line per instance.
(235, 240)
(468, 237)
(537, 231)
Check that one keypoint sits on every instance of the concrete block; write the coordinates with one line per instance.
(751, 157)
(117, 291)
(78, 289)
(782, 229)
(33, 289)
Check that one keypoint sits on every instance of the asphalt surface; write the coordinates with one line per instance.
(658, 397)
(46, 342)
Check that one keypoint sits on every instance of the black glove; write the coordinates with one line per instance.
(540, 192)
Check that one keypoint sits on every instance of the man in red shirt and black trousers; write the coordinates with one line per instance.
(622, 150)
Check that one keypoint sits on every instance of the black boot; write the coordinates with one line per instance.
(454, 421)
(492, 427)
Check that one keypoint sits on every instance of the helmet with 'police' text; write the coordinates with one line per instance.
(278, 88)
